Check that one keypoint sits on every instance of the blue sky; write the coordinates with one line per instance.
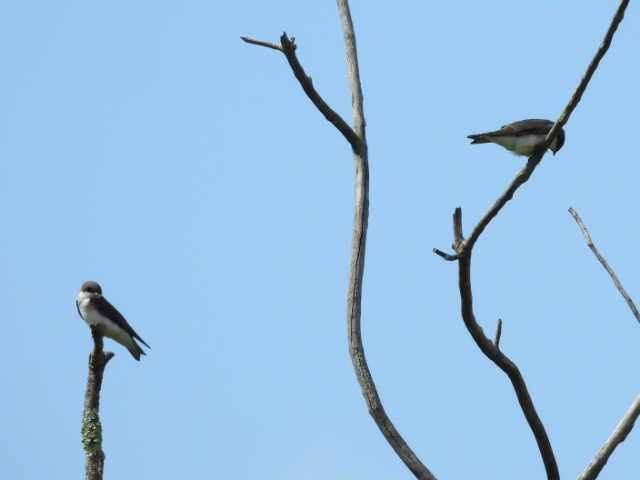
(143, 145)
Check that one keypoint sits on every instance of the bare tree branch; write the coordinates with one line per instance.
(288, 47)
(617, 437)
(91, 426)
(262, 43)
(447, 256)
(523, 175)
(357, 139)
(626, 424)
(356, 270)
(463, 249)
(602, 49)
(604, 263)
(492, 351)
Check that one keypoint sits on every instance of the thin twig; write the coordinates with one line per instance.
(91, 426)
(447, 256)
(496, 342)
(602, 49)
(458, 237)
(262, 43)
(617, 437)
(523, 175)
(604, 263)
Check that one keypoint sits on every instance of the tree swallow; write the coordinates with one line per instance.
(101, 315)
(523, 137)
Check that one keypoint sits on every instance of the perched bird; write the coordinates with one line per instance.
(101, 315)
(523, 137)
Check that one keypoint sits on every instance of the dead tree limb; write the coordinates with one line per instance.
(626, 424)
(463, 249)
(356, 270)
(604, 263)
(491, 349)
(288, 47)
(356, 137)
(91, 426)
(523, 175)
(617, 437)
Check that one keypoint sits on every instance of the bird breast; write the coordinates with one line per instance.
(522, 144)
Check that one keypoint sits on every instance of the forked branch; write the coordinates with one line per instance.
(491, 349)
(356, 137)
(523, 175)
(288, 47)
(463, 250)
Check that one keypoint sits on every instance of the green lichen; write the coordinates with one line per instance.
(91, 432)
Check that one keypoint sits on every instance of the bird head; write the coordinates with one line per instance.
(558, 142)
(92, 288)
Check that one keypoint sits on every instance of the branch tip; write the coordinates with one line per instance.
(445, 255)
(496, 342)
(261, 43)
(458, 237)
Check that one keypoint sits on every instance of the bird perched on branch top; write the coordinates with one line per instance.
(101, 315)
(523, 137)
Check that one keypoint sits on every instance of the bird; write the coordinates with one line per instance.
(99, 314)
(523, 137)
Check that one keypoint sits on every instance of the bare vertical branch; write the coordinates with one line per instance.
(356, 137)
(617, 437)
(91, 426)
(356, 270)
(605, 264)
(357, 99)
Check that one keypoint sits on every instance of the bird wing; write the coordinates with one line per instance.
(525, 127)
(105, 308)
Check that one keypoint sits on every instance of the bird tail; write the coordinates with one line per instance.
(135, 350)
(479, 138)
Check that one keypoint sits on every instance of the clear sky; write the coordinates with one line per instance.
(143, 145)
